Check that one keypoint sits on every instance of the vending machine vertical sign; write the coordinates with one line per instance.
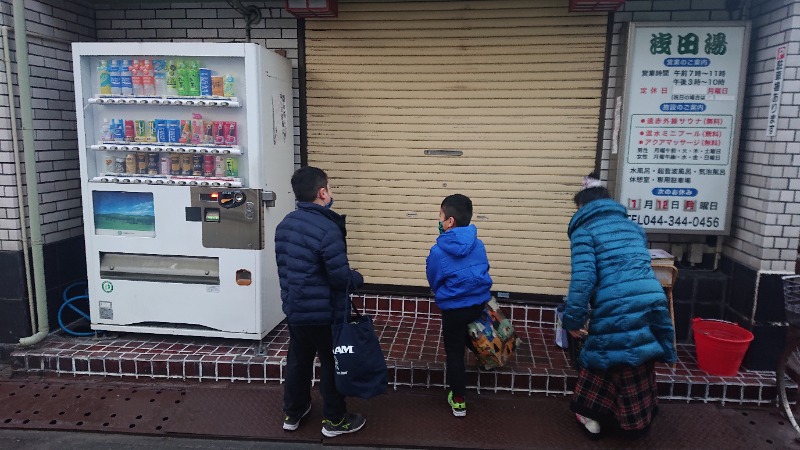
(185, 171)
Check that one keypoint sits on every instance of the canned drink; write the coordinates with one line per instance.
(216, 86)
(141, 163)
(230, 133)
(165, 168)
(219, 166)
(175, 165)
(219, 132)
(205, 81)
(108, 164)
(231, 167)
(208, 132)
(152, 163)
(208, 165)
(173, 131)
(130, 131)
(151, 132)
(119, 165)
(130, 163)
(161, 131)
(141, 130)
(186, 164)
(186, 132)
(197, 165)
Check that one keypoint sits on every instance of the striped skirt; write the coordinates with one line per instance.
(628, 395)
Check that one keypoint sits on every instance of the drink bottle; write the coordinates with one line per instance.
(113, 74)
(125, 77)
(105, 77)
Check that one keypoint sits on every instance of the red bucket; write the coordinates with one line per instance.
(720, 346)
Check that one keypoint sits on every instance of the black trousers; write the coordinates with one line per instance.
(306, 341)
(454, 333)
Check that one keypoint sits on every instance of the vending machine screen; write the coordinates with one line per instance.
(124, 213)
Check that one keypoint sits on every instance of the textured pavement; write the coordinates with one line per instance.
(234, 415)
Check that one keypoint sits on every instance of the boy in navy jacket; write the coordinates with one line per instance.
(314, 274)
(458, 274)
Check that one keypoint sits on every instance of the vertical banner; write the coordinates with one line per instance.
(777, 90)
(684, 88)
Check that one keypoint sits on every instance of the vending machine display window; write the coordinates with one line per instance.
(124, 213)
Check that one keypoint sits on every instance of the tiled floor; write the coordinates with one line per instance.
(409, 331)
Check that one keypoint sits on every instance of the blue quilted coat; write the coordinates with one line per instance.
(614, 286)
(313, 270)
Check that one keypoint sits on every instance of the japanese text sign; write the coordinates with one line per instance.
(681, 114)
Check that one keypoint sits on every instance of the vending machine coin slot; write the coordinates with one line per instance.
(230, 218)
(231, 199)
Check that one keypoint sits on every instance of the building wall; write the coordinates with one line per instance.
(765, 226)
(205, 22)
(768, 201)
(52, 26)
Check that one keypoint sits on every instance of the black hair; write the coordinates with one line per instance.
(591, 194)
(458, 207)
(307, 181)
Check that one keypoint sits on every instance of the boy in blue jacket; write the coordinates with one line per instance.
(458, 274)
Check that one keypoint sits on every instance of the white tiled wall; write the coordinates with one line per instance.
(765, 226)
(52, 25)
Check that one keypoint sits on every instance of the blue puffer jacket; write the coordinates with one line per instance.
(313, 269)
(611, 272)
(458, 269)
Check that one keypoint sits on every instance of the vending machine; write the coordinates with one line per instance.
(186, 153)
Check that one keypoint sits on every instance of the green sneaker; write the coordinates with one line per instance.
(350, 423)
(458, 404)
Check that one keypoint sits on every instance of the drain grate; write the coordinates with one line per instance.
(91, 407)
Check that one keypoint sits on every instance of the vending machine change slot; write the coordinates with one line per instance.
(243, 277)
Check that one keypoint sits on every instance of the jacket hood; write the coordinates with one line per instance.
(591, 210)
(458, 241)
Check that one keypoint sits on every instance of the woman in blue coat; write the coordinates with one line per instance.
(618, 306)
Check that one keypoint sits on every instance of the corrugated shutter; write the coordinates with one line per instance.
(514, 85)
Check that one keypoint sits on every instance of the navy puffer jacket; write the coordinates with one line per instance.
(314, 272)
(629, 320)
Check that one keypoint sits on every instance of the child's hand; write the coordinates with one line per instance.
(578, 334)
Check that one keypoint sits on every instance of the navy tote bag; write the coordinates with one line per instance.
(360, 364)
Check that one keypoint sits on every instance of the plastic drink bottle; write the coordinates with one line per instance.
(116, 82)
(171, 78)
(160, 76)
(194, 78)
(148, 82)
(136, 77)
(105, 77)
(227, 85)
(182, 78)
(105, 132)
(125, 77)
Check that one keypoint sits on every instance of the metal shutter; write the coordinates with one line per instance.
(514, 85)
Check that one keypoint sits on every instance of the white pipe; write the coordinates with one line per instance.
(18, 175)
(26, 113)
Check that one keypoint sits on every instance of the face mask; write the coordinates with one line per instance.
(329, 204)
(441, 228)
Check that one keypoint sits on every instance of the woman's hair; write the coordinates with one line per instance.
(590, 194)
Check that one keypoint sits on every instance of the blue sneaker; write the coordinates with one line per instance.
(350, 423)
(291, 423)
